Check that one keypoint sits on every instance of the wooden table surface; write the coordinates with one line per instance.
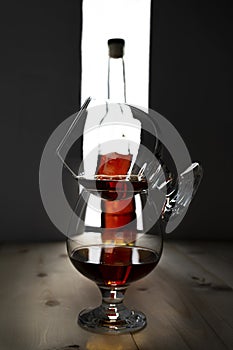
(188, 300)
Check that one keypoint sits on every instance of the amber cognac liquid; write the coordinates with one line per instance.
(114, 265)
(112, 182)
(117, 187)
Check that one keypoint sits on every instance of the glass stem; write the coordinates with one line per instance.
(112, 302)
(112, 295)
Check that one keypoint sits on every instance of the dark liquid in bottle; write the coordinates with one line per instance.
(113, 163)
(114, 265)
(117, 187)
(119, 210)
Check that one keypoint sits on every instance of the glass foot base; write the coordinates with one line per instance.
(112, 320)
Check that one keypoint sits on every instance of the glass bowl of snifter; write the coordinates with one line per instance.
(133, 189)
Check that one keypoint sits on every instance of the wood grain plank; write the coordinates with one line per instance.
(208, 294)
(147, 296)
(42, 295)
(183, 307)
(40, 300)
(216, 257)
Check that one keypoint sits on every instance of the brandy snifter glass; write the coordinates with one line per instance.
(126, 198)
(112, 257)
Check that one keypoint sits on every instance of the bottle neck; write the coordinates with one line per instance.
(116, 80)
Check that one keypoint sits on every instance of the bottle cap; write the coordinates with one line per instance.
(116, 47)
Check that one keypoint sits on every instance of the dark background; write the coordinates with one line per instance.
(191, 72)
